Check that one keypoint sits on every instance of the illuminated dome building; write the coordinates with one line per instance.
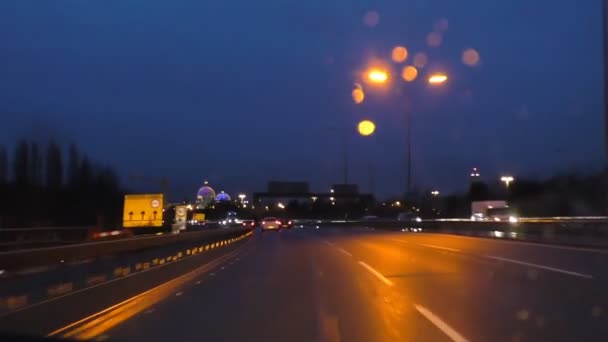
(204, 196)
(222, 197)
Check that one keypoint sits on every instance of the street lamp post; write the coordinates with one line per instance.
(507, 180)
(379, 77)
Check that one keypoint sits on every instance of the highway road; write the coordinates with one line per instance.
(332, 284)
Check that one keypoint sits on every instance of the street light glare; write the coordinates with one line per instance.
(438, 78)
(377, 76)
(366, 128)
(507, 180)
(358, 95)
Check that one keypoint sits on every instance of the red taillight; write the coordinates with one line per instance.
(278, 222)
(289, 222)
(252, 223)
(244, 224)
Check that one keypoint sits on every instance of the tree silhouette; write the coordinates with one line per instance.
(21, 164)
(479, 191)
(35, 165)
(73, 166)
(3, 165)
(85, 173)
(54, 166)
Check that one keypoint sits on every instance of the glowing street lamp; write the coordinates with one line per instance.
(242, 197)
(377, 76)
(507, 180)
(438, 78)
(366, 128)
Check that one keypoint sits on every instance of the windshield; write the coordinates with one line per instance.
(283, 170)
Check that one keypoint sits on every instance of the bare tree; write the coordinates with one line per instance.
(36, 165)
(54, 166)
(21, 164)
(74, 164)
(3, 165)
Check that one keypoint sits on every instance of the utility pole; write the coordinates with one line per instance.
(408, 123)
(605, 42)
(345, 151)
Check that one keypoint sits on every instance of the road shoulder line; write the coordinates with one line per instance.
(439, 323)
(543, 267)
(376, 273)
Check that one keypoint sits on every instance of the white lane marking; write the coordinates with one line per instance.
(376, 273)
(548, 268)
(524, 243)
(344, 251)
(441, 247)
(439, 323)
(429, 246)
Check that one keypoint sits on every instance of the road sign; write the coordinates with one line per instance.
(143, 210)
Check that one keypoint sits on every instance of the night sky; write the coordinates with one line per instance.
(242, 92)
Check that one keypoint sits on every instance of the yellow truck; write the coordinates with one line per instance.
(143, 210)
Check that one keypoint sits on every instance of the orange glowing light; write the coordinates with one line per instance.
(409, 73)
(399, 54)
(434, 39)
(371, 18)
(366, 128)
(420, 60)
(377, 76)
(358, 95)
(438, 78)
(470, 57)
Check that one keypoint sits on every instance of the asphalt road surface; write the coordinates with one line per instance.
(356, 285)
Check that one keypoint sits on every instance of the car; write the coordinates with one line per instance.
(286, 223)
(270, 223)
(504, 214)
(408, 217)
(248, 223)
(230, 220)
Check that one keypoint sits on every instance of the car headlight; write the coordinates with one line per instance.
(513, 219)
(418, 219)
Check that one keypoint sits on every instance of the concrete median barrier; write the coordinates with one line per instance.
(19, 259)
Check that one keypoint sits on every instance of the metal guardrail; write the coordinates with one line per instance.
(14, 238)
(572, 231)
(36, 257)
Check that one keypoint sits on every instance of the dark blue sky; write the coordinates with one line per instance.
(242, 92)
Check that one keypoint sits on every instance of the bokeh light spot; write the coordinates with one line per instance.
(366, 128)
(371, 18)
(409, 73)
(434, 39)
(441, 25)
(470, 57)
(399, 54)
(420, 60)
(358, 95)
